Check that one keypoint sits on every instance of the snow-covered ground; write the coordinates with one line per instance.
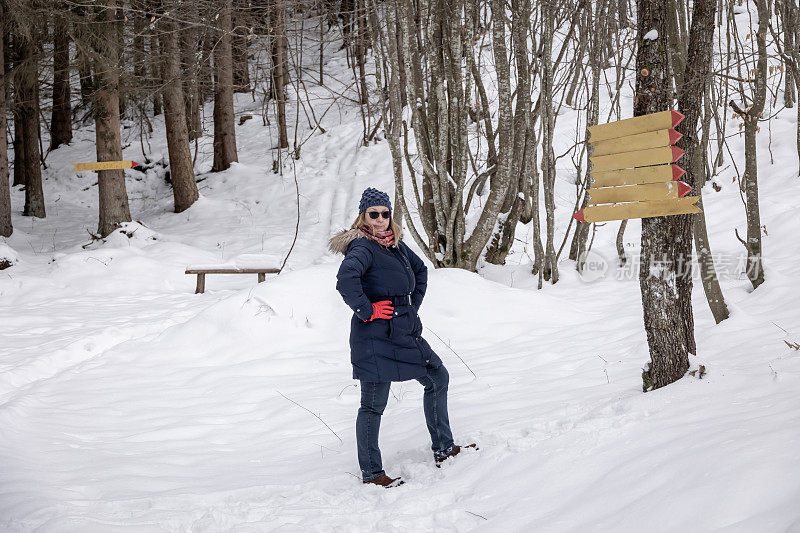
(128, 403)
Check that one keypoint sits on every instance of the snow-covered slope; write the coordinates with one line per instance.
(128, 403)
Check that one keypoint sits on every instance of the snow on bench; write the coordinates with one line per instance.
(202, 270)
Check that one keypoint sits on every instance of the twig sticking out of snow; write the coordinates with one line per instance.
(313, 413)
(452, 350)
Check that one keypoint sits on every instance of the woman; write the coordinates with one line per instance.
(383, 281)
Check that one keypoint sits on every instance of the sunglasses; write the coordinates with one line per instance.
(375, 214)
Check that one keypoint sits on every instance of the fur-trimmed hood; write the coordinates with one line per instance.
(338, 243)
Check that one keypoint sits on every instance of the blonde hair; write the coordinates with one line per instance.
(361, 220)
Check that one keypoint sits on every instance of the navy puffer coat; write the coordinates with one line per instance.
(383, 350)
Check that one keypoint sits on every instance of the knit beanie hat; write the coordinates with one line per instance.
(372, 197)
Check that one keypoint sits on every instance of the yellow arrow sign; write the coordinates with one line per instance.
(638, 158)
(655, 208)
(632, 126)
(635, 176)
(635, 193)
(641, 141)
(104, 165)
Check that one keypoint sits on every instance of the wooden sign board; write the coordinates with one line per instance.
(638, 158)
(636, 176)
(104, 165)
(640, 141)
(624, 211)
(635, 193)
(632, 171)
(636, 125)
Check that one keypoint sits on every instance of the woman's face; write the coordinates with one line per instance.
(380, 223)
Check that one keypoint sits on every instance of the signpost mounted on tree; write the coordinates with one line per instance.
(104, 165)
(633, 170)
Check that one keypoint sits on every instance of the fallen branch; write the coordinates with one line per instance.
(313, 413)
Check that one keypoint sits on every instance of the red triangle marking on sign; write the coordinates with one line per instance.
(674, 136)
(677, 117)
(134, 164)
(579, 216)
(677, 172)
(677, 153)
(683, 189)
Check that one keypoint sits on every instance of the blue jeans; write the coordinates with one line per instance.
(375, 395)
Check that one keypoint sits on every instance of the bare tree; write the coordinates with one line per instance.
(751, 116)
(360, 51)
(550, 267)
(789, 16)
(691, 91)
(590, 33)
(514, 131)
(279, 70)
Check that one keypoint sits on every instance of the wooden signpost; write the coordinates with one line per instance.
(633, 170)
(104, 165)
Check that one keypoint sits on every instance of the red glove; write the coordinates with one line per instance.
(382, 309)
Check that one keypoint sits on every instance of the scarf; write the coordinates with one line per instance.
(385, 238)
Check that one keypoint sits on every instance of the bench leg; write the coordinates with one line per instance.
(201, 284)
(261, 277)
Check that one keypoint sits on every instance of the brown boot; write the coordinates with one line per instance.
(385, 481)
(456, 450)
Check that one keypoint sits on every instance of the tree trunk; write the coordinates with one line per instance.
(224, 132)
(113, 197)
(191, 90)
(532, 170)
(184, 187)
(550, 266)
(155, 74)
(205, 67)
(664, 323)
(6, 227)
(360, 50)
(622, 10)
(690, 99)
(82, 54)
(620, 243)
(141, 19)
(347, 10)
(241, 29)
(391, 108)
(755, 270)
(279, 68)
(124, 82)
(17, 144)
(789, 31)
(61, 120)
(27, 87)
(518, 196)
(595, 36)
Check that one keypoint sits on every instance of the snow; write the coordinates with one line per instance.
(652, 35)
(128, 403)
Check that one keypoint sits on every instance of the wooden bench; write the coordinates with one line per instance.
(202, 271)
